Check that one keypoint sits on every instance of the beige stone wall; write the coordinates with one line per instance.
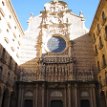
(84, 56)
(99, 36)
(10, 29)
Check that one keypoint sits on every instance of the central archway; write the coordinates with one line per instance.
(56, 103)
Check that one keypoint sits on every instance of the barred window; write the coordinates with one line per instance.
(106, 33)
(100, 43)
(103, 16)
(98, 28)
(3, 53)
(96, 51)
(93, 38)
(103, 61)
(98, 65)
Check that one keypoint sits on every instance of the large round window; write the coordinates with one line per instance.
(56, 44)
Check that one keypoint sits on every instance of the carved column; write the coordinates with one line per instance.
(69, 95)
(65, 98)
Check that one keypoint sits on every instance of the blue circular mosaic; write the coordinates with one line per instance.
(56, 44)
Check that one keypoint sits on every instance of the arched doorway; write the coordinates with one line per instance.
(56, 103)
(28, 103)
(85, 103)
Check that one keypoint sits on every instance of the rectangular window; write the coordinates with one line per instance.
(103, 61)
(1, 69)
(106, 77)
(6, 40)
(1, 12)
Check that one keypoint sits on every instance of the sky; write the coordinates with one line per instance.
(24, 8)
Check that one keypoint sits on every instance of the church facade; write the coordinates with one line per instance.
(62, 63)
(63, 73)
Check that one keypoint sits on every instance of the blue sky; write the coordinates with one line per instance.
(24, 8)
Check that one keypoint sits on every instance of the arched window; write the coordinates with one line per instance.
(106, 33)
(93, 37)
(103, 61)
(103, 16)
(100, 43)
(96, 51)
(98, 65)
(98, 28)
(3, 54)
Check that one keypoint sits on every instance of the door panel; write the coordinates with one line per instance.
(56, 103)
(28, 103)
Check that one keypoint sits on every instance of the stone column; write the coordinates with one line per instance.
(76, 95)
(36, 95)
(70, 49)
(8, 99)
(69, 95)
(65, 97)
(43, 95)
(94, 93)
(92, 96)
(1, 96)
(20, 97)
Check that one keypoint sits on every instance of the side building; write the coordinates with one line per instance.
(98, 33)
(10, 37)
(11, 31)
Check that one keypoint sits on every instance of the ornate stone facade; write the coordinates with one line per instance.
(59, 67)
(62, 71)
